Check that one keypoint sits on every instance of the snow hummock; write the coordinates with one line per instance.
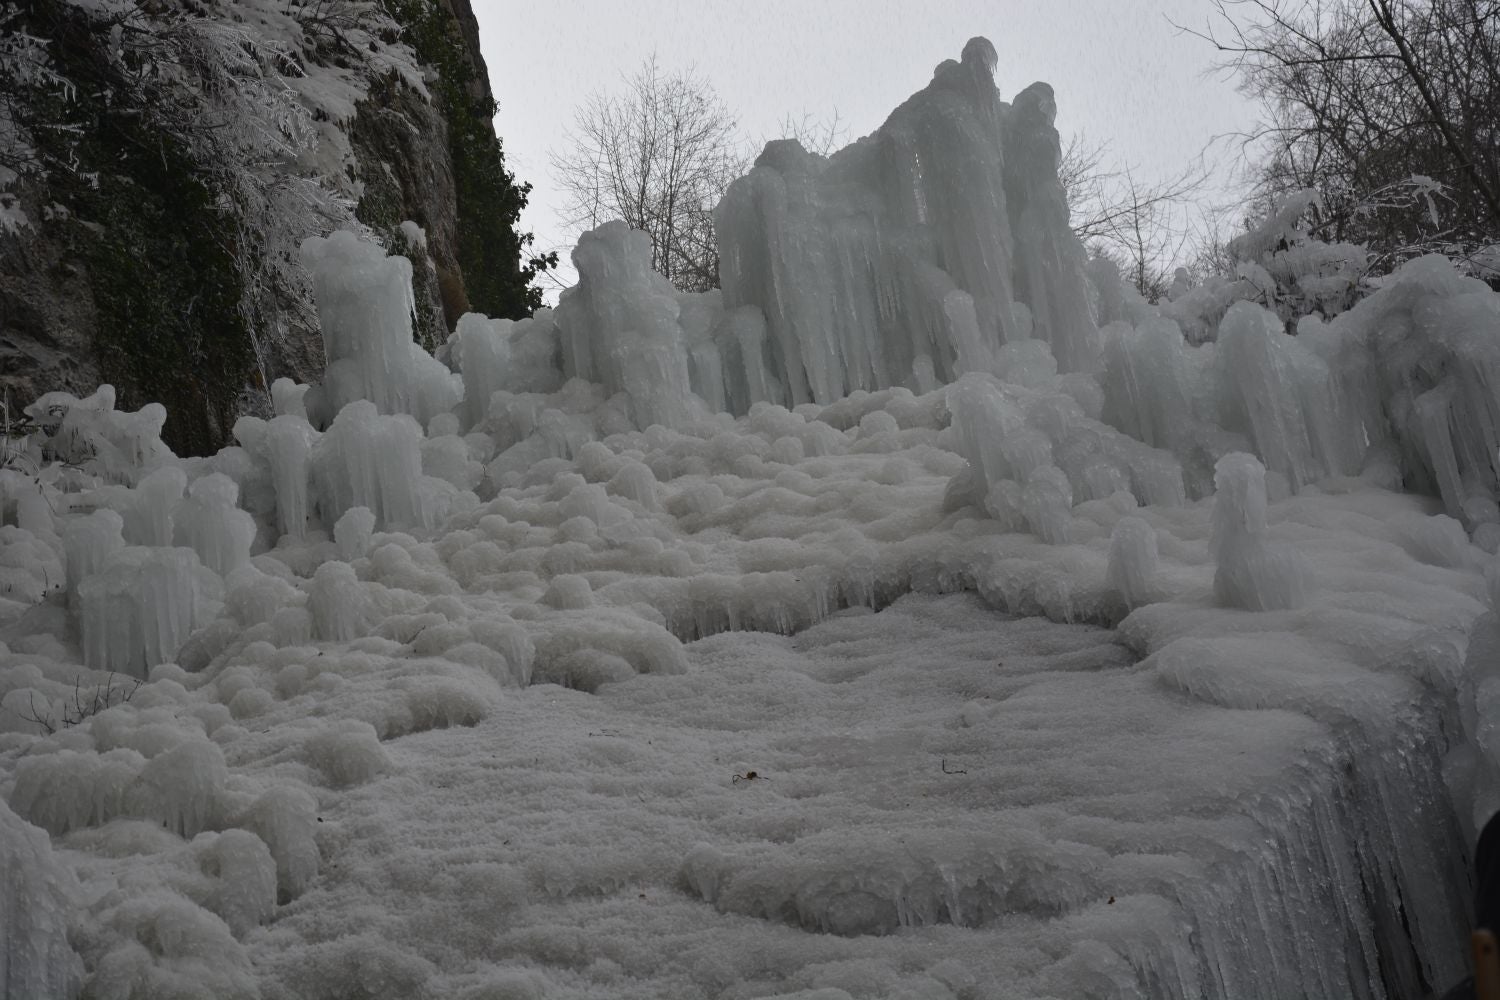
(40, 890)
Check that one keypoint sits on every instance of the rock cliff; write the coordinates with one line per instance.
(160, 163)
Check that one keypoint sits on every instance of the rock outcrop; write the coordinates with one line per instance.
(162, 178)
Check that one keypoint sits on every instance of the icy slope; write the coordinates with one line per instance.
(1260, 795)
(437, 697)
(1011, 808)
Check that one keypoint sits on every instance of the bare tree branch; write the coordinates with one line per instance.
(1142, 226)
(659, 155)
(1389, 109)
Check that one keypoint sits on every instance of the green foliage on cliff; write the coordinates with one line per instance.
(168, 289)
(158, 252)
(490, 247)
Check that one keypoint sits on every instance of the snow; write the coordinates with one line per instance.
(922, 615)
(36, 959)
(13, 217)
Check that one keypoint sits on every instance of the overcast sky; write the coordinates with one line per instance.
(1121, 72)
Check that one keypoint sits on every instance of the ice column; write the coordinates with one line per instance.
(337, 602)
(288, 443)
(1249, 573)
(369, 460)
(483, 352)
(1133, 561)
(1049, 258)
(210, 523)
(148, 515)
(140, 608)
(619, 326)
(88, 542)
(365, 308)
(1276, 390)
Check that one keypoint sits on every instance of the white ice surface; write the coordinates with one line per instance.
(946, 802)
(1256, 795)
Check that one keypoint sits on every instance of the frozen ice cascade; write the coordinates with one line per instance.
(922, 613)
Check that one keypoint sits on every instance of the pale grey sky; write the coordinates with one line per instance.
(1121, 72)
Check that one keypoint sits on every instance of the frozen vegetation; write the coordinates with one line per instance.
(921, 615)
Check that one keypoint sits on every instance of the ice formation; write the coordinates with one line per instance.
(1248, 572)
(926, 246)
(365, 309)
(141, 606)
(912, 395)
(619, 326)
(1134, 559)
(374, 461)
(39, 892)
(210, 523)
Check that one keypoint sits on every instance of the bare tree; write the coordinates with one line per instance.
(823, 136)
(1389, 109)
(659, 156)
(1142, 226)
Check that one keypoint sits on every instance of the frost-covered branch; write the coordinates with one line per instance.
(1390, 109)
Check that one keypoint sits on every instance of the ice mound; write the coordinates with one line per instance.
(142, 605)
(1249, 572)
(348, 754)
(164, 945)
(39, 893)
(89, 433)
(30, 569)
(230, 874)
(1033, 452)
(285, 819)
(182, 788)
(365, 309)
(619, 327)
(951, 877)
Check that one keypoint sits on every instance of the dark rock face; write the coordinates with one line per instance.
(468, 27)
(401, 145)
(88, 293)
(46, 315)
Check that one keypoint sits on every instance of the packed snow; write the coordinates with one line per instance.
(923, 614)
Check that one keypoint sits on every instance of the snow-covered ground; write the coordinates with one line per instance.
(947, 802)
(946, 797)
(743, 645)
